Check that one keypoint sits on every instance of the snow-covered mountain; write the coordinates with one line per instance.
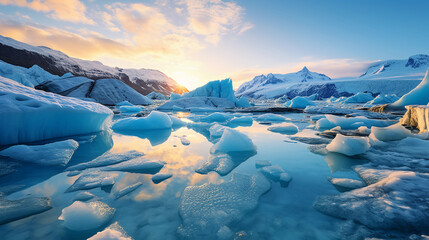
(386, 77)
(275, 85)
(57, 63)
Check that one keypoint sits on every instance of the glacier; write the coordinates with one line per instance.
(29, 115)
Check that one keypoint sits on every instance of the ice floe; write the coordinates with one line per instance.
(391, 133)
(345, 184)
(18, 209)
(285, 128)
(233, 141)
(160, 177)
(137, 165)
(270, 117)
(349, 146)
(107, 158)
(299, 102)
(113, 232)
(154, 121)
(118, 193)
(82, 216)
(93, 179)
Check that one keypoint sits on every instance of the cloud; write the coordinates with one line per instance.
(66, 10)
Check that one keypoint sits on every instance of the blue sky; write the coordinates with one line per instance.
(195, 41)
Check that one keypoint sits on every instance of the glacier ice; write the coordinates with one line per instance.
(359, 98)
(83, 196)
(82, 216)
(29, 77)
(398, 201)
(177, 122)
(349, 145)
(299, 102)
(206, 209)
(391, 133)
(216, 130)
(233, 141)
(243, 120)
(383, 99)
(57, 153)
(243, 102)
(285, 128)
(124, 103)
(137, 165)
(218, 89)
(28, 115)
(107, 158)
(118, 193)
(277, 174)
(223, 163)
(324, 123)
(216, 117)
(356, 122)
(346, 184)
(175, 96)
(160, 177)
(93, 179)
(113, 232)
(154, 121)
(156, 96)
(270, 117)
(417, 96)
(18, 209)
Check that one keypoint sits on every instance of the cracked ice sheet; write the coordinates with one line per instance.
(208, 208)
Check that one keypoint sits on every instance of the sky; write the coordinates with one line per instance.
(196, 41)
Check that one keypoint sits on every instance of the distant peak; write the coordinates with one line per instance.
(304, 69)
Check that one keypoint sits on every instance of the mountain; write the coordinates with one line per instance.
(386, 77)
(55, 62)
(275, 85)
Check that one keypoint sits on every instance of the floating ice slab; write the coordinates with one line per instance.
(198, 104)
(346, 184)
(247, 120)
(28, 115)
(399, 201)
(156, 96)
(57, 153)
(84, 196)
(391, 133)
(184, 141)
(356, 122)
(126, 190)
(270, 117)
(216, 117)
(285, 128)
(299, 102)
(113, 232)
(207, 208)
(371, 175)
(262, 163)
(93, 179)
(130, 109)
(382, 99)
(216, 130)
(154, 121)
(324, 123)
(417, 96)
(276, 173)
(15, 210)
(233, 141)
(137, 165)
(107, 159)
(82, 216)
(160, 177)
(222, 163)
(349, 146)
(359, 98)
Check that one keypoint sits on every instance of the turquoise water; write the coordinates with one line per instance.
(151, 211)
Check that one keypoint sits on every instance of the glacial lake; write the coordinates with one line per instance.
(152, 210)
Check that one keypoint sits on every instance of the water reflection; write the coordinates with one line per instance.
(341, 162)
(155, 137)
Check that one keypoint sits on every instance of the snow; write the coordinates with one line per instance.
(233, 141)
(216, 117)
(392, 133)
(299, 102)
(417, 116)
(160, 177)
(113, 91)
(346, 184)
(349, 146)
(286, 128)
(156, 96)
(106, 159)
(270, 117)
(29, 77)
(57, 153)
(246, 120)
(28, 115)
(113, 232)
(359, 98)
(137, 165)
(154, 121)
(399, 202)
(206, 209)
(15, 210)
(81, 216)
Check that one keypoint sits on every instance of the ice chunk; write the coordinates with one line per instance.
(218, 89)
(392, 133)
(371, 175)
(15, 210)
(270, 117)
(364, 130)
(177, 122)
(225, 233)
(223, 163)
(359, 98)
(216, 130)
(417, 116)
(184, 141)
(262, 163)
(324, 123)
(28, 115)
(156, 96)
(126, 190)
(383, 99)
(130, 109)
(247, 120)
(137, 165)
(107, 159)
(276, 173)
(160, 177)
(233, 141)
(29, 77)
(216, 117)
(206, 209)
(82, 216)
(356, 122)
(175, 96)
(113, 232)
(397, 202)
(154, 121)
(124, 103)
(243, 102)
(349, 145)
(57, 153)
(84, 196)
(346, 184)
(286, 128)
(198, 104)
(93, 179)
(417, 96)
(299, 102)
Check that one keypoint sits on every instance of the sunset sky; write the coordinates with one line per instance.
(196, 41)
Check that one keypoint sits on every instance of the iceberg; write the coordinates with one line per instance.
(217, 89)
(417, 96)
(57, 153)
(29, 77)
(156, 96)
(130, 109)
(216, 117)
(359, 98)
(81, 216)
(391, 133)
(299, 102)
(84, 196)
(233, 141)
(243, 120)
(28, 115)
(285, 128)
(223, 163)
(353, 123)
(277, 174)
(216, 130)
(349, 146)
(382, 99)
(270, 117)
(154, 121)
(324, 123)
(197, 104)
